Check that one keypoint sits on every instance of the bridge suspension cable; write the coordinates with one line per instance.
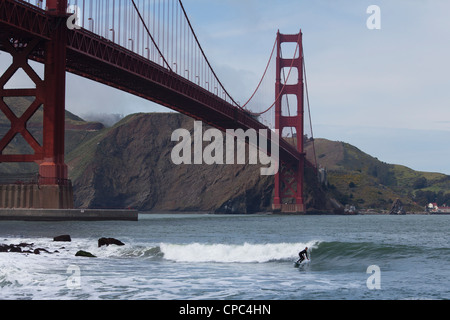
(162, 32)
(259, 113)
(150, 35)
(203, 53)
(157, 30)
(263, 76)
(309, 114)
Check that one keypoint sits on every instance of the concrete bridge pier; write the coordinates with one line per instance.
(29, 196)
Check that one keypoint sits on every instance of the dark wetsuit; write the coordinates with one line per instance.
(302, 254)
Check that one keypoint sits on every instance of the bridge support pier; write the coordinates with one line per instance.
(52, 169)
(34, 196)
(53, 188)
(288, 193)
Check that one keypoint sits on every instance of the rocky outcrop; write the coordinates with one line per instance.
(22, 248)
(108, 241)
(130, 166)
(63, 238)
(81, 253)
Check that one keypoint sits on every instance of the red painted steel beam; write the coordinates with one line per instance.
(291, 174)
(28, 31)
(18, 125)
(53, 169)
(23, 18)
(57, 7)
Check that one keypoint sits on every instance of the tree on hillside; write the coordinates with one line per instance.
(420, 183)
(425, 197)
(382, 171)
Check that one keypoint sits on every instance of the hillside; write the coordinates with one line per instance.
(129, 165)
(357, 178)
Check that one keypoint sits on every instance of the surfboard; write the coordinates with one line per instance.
(297, 264)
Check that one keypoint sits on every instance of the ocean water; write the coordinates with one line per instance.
(232, 257)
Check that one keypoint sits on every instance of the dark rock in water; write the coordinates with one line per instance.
(38, 250)
(14, 248)
(82, 253)
(64, 237)
(108, 241)
(27, 248)
(24, 244)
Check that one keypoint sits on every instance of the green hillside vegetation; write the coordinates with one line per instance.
(359, 179)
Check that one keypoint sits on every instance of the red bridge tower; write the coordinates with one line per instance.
(53, 190)
(288, 196)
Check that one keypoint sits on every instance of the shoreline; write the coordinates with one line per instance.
(12, 214)
(308, 213)
(67, 215)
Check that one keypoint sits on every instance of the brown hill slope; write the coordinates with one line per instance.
(129, 165)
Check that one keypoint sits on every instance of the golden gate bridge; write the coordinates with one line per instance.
(147, 48)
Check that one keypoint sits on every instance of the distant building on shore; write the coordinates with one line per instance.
(434, 208)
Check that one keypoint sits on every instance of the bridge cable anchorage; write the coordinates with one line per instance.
(203, 53)
(151, 37)
(282, 89)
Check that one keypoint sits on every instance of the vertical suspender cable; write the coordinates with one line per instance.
(309, 111)
(148, 32)
(203, 53)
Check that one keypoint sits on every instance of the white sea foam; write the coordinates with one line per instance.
(245, 253)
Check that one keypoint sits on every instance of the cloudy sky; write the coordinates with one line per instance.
(385, 91)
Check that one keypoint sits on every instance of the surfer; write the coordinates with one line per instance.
(303, 254)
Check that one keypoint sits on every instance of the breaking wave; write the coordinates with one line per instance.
(321, 252)
(243, 253)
